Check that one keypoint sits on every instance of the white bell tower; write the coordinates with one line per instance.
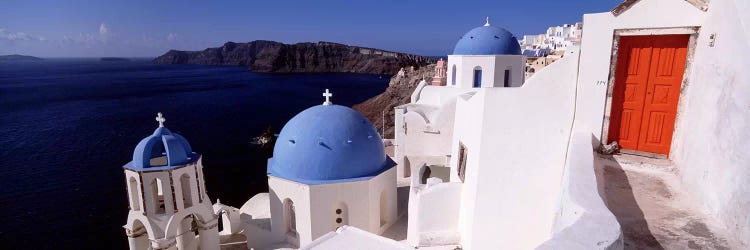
(169, 208)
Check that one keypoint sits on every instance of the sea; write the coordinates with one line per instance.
(67, 126)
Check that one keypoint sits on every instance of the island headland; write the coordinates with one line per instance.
(322, 57)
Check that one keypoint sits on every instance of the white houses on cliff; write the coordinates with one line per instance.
(486, 159)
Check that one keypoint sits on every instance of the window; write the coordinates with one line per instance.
(135, 201)
(157, 195)
(291, 218)
(477, 77)
(453, 75)
(187, 198)
(506, 79)
(461, 161)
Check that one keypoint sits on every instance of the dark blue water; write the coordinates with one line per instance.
(68, 125)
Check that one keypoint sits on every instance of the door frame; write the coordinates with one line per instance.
(693, 31)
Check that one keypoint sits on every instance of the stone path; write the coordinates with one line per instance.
(652, 209)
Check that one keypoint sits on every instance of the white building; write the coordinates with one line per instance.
(329, 169)
(556, 38)
(168, 203)
(485, 57)
(490, 160)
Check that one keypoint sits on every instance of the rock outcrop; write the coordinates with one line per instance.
(398, 92)
(320, 57)
(15, 57)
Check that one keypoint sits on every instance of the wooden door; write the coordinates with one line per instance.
(646, 92)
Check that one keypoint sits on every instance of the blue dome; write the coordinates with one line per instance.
(328, 143)
(487, 40)
(175, 149)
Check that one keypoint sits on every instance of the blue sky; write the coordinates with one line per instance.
(149, 28)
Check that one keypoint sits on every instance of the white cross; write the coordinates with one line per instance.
(160, 119)
(327, 95)
(487, 23)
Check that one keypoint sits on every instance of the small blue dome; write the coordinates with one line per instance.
(328, 143)
(162, 142)
(487, 40)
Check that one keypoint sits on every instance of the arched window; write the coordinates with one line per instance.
(291, 217)
(157, 195)
(477, 77)
(453, 75)
(187, 197)
(506, 78)
(383, 208)
(135, 201)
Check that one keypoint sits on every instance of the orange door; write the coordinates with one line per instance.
(647, 88)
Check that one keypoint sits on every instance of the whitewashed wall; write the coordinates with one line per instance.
(515, 158)
(433, 214)
(315, 205)
(584, 221)
(712, 146)
(596, 50)
(493, 69)
(280, 189)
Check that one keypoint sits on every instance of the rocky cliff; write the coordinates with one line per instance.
(320, 57)
(398, 92)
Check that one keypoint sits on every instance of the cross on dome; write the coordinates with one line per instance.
(160, 119)
(487, 22)
(327, 95)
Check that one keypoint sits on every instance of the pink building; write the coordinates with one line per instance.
(440, 76)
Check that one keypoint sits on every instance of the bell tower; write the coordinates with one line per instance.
(169, 207)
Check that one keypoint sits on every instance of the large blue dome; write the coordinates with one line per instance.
(487, 40)
(162, 150)
(328, 143)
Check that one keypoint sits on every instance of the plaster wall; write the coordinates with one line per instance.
(425, 128)
(596, 51)
(583, 221)
(514, 169)
(439, 95)
(493, 70)
(351, 197)
(712, 142)
(164, 228)
(381, 215)
(279, 190)
(316, 205)
(427, 136)
(433, 214)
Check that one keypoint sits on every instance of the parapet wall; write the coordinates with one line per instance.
(584, 221)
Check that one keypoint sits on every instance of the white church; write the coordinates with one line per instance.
(489, 159)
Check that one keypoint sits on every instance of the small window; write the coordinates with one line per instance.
(461, 161)
(506, 79)
(453, 75)
(477, 77)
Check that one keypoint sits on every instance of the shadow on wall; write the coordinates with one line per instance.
(613, 184)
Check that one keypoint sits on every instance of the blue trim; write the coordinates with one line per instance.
(193, 158)
(388, 165)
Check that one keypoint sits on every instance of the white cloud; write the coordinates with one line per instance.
(103, 37)
(19, 36)
(172, 36)
(103, 30)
